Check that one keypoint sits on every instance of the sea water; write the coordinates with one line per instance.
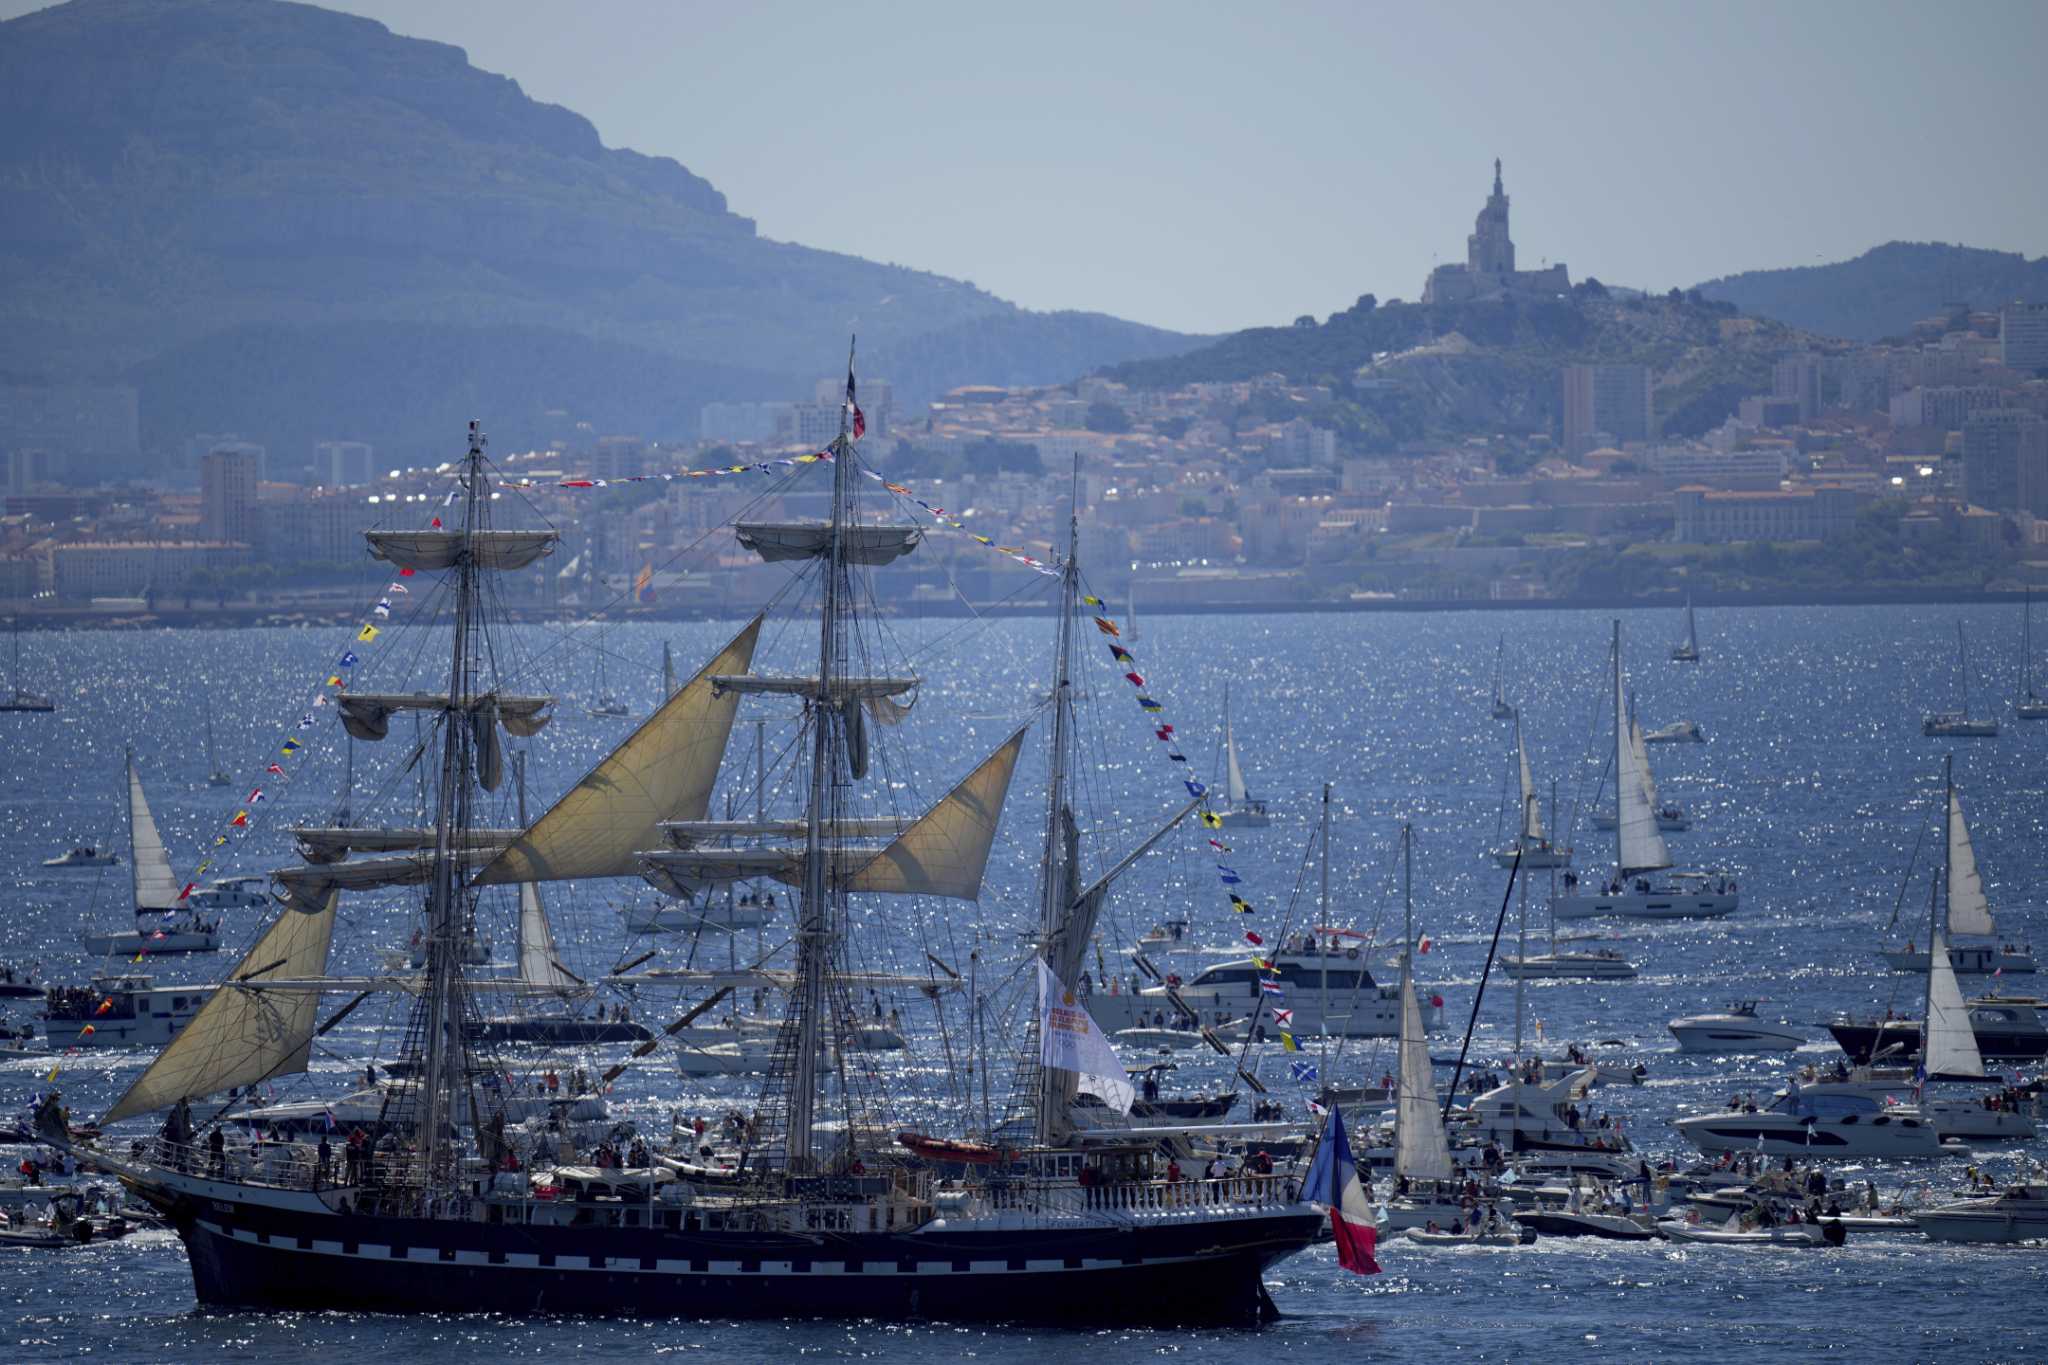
(1814, 791)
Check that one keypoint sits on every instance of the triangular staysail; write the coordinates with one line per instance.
(156, 886)
(664, 770)
(945, 852)
(242, 1036)
(1949, 1047)
(1235, 772)
(1969, 912)
(1641, 847)
(1421, 1151)
(1532, 809)
(538, 965)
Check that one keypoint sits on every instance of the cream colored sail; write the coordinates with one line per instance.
(1641, 847)
(1235, 773)
(156, 886)
(945, 852)
(664, 770)
(1950, 1045)
(1421, 1151)
(1532, 809)
(1968, 910)
(537, 962)
(241, 1035)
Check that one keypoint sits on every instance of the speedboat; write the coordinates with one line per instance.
(1737, 1029)
(1677, 732)
(1830, 1233)
(1507, 1235)
(1955, 725)
(1602, 964)
(2018, 1213)
(1954, 1110)
(1613, 1226)
(1816, 1126)
(85, 855)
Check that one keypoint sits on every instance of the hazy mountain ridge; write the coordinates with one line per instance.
(181, 177)
(1887, 289)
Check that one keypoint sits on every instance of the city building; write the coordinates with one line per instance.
(88, 569)
(2023, 336)
(1604, 404)
(1943, 408)
(322, 528)
(343, 464)
(228, 476)
(1489, 269)
(1798, 377)
(2005, 461)
(27, 467)
(1706, 516)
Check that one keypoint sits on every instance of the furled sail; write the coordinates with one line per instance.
(1532, 809)
(330, 844)
(149, 866)
(690, 833)
(242, 1036)
(433, 550)
(1641, 846)
(1950, 1045)
(1968, 910)
(945, 852)
(1421, 1151)
(664, 770)
(309, 885)
(867, 545)
(842, 689)
(367, 715)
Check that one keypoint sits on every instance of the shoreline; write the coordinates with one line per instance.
(243, 616)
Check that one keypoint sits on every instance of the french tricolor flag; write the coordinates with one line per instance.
(1333, 1182)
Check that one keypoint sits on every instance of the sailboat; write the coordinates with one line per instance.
(1670, 816)
(1131, 624)
(214, 776)
(1598, 964)
(1501, 709)
(605, 705)
(19, 698)
(1968, 914)
(1636, 891)
(2029, 706)
(1531, 844)
(833, 1214)
(1959, 724)
(1687, 651)
(155, 892)
(1244, 811)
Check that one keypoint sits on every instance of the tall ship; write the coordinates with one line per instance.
(1045, 1211)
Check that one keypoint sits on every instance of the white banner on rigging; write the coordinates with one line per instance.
(1072, 1042)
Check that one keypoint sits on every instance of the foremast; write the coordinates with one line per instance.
(1059, 878)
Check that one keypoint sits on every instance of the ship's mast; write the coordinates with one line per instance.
(442, 1006)
(814, 917)
(1056, 872)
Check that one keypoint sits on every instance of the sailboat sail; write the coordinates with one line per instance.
(1235, 772)
(156, 886)
(1641, 846)
(664, 770)
(1421, 1151)
(945, 852)
(1532, 809)
(1692, 630)
(537, 959)
(1950, 1048)
(243, 1034)
(1635, 739)
(1969, 912)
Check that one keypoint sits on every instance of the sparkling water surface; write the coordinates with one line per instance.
(1813, 791)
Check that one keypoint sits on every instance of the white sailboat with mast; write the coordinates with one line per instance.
(2028, 706)
(19, 698)
(1970, 932)
(1687, 651)
(165, 922)
(1960, 724)
(1242, 809)
(1636, 891)
(1531, 844)
(1501, 709)
(1426, 1180)
(1595, 964)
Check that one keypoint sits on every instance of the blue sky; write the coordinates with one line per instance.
(1211, 166)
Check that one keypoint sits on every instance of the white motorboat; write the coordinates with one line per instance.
(1960, 724)
(2018, 1213)
(166, 919)
(1733, 1235)
(1331, 991)
(1677, 732)
(1241, 809)
(1968, 914)
(1634, 891)
(1955, 1109)
(1609, 1225)
(120, 1011)
(1830, 1127)
(1607, 1062)
(1601, 964)
(745, 1057)
(1687, 651)
(712, 915)
(1505, 1235)
(1735, 1029)
(84, 855)
(1152, 1039)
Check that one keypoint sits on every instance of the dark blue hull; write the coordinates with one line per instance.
(1201, 1272)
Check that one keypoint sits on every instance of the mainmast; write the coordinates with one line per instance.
(1058, 875)
(1620, 768)
(814, 913)
(442, 1004)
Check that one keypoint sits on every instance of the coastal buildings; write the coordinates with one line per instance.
(2005, 461)
(1605, 404)
(2023, 336)
(228, 476)
(1707, 516)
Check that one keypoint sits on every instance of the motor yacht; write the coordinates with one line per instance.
(1816, 1126)
(2018, 1213)
(84, 855)
(1735, 1029)
(1602, 964)
(1677, 732)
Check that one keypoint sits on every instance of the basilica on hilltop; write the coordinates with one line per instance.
(1489, 270)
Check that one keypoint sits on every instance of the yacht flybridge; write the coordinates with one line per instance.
(1061, 1217)
(1641, 887)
